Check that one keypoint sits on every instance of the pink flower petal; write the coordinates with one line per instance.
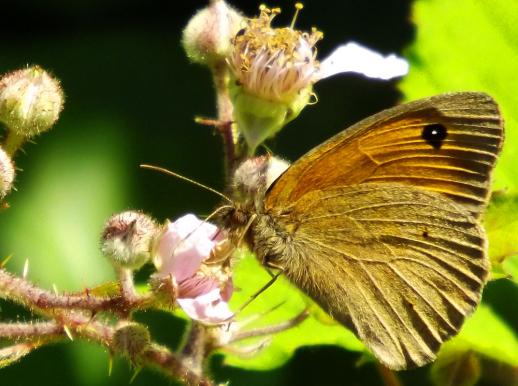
(207, 308)
(183, 246)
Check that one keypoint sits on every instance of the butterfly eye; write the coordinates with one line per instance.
(435, 134)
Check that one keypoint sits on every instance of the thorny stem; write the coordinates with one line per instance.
(195, 350)
(127, 285)
(221, 77)
(12, 142)
(30, 330)
(86, 328)
(388, 376)
(167, 362)
(26, 293)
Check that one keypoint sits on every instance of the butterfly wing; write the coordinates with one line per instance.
(448, 144)
(400, 266)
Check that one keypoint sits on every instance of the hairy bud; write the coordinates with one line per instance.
(127, 239)
(131, 339)
(6, 174)
(30, 101)
(207, 37)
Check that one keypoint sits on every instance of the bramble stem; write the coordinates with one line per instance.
(12, 142)
(388, 376)
(24, 292)
(221, 77)
(195, 352)
(30, 330)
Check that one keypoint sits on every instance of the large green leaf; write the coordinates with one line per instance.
(473, 45)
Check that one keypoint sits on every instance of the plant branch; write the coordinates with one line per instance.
(30, 330)
(221, 78)
(26, 293)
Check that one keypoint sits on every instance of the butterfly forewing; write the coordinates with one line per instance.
(447, 144)
(400, 266)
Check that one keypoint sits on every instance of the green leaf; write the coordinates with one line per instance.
(501, 222)
(485, 333)
(317, 329)
(459, 368)
(449, 55)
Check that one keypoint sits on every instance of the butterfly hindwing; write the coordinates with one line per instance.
(400, 266)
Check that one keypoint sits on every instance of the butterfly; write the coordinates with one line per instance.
(380, 225)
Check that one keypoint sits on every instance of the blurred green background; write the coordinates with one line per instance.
(131, 96)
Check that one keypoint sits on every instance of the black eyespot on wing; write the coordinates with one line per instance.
(241, 32)
(434, 134)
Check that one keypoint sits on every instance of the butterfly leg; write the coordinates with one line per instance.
(261, 290)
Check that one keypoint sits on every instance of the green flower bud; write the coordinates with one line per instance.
(127, 239)
(207, 37)
(6, 174)
(30, 101)
(274, 70)
(131, 339)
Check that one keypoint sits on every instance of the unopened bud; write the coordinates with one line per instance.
(255, 175)
(6, 174)
(127, 239)
(207, 37)
(30, 101)
(131, 339)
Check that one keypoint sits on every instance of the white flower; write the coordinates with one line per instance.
(274, 70)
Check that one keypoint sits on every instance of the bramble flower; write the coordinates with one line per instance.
(183, 254)
(274, 70)
(127, 239)
(30, 101)
(6, 174)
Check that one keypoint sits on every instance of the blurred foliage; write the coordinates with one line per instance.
(131, 97)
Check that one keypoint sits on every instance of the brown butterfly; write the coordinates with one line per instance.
(380, 224)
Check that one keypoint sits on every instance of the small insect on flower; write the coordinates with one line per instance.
(185, 255)
(274, 70)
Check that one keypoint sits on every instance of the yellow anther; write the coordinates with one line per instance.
(298, 7)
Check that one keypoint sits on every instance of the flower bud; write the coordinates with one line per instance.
(255, 175)
(6, 174)
(274, 70)
(30, 101)
(131, 339)
(207, 37)
(127, 239)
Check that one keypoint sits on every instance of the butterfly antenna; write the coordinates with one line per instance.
(166, 171)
